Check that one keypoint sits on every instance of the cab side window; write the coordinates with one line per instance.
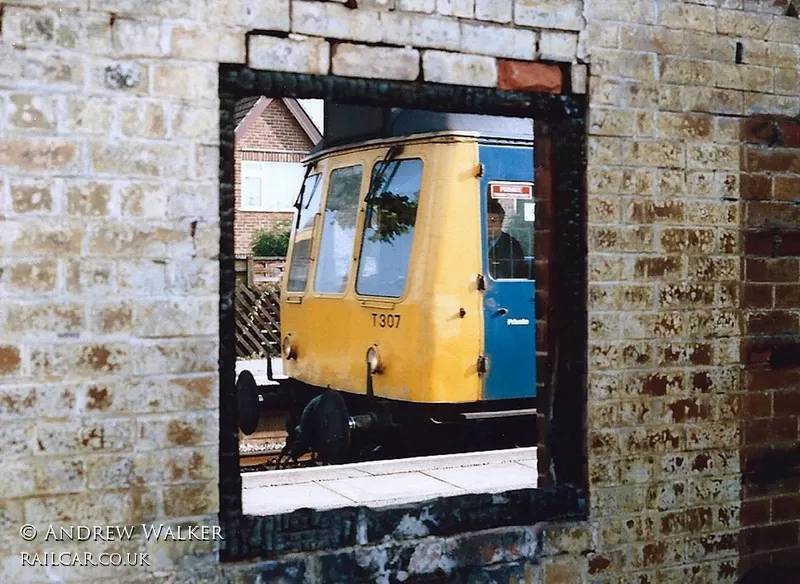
(338, 230)
(301, 249)
(389, 228)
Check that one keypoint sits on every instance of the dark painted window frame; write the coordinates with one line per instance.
(563, 482)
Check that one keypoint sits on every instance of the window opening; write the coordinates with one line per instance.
(308, 203)
(387, 216)
(388, 236)
(338, 230)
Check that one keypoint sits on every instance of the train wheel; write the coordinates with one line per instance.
(331, 427)
(248, 403)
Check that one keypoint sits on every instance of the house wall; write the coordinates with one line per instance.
(275, 136)
(108, 285)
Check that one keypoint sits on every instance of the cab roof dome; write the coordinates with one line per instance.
(346, 124)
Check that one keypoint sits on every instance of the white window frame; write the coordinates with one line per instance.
(263, 170)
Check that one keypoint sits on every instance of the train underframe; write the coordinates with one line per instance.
(339, 427)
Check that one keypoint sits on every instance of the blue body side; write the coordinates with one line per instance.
(510, 350)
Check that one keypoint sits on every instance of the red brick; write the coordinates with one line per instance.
(774, 322)
(788, 243)
(755, 187)
(756, 405)
(786, 508)
(755, 512)
(772, 160)
(787, 188)
(769, 537)
(759, 131)
(787, 295)
(787, 403)
(758, 243)
(772, 215)
(525, 76)
(772, 270)
(757, 296)
(788, 558)
(790, 133)
(772, 379)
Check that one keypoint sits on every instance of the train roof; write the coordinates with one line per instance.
(351, 126)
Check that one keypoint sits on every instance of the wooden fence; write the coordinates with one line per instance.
(258, 328)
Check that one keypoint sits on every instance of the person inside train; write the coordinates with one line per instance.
(506, 258)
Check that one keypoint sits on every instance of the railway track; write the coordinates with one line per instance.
(262, 449)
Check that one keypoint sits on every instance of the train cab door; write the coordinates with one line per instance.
(507, 225)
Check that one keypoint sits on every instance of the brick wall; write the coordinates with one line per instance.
(275, 136)
(109, 144)
(770, 191)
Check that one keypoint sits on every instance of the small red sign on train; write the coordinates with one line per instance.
(511, 190)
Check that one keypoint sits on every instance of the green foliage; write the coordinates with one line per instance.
(274, 242)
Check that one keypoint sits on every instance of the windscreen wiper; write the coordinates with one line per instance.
(392, 153)
(298, 203)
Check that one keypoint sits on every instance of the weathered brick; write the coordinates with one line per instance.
(716, 101)
(31, 111)
(746, 77)
(418, 5)
(143, 160)
(193, 81)
(34, 196)
(501, 41)
(651, 39)
(579, 78)
(688, 16)
(558, 46)
(549, 14)
(378, 62)
(459, 8)
(606, 122)
(612, 63)
(88, 199)
(686, 71)
(674, 126)
(127, 76)
(226, 45)
(780, 105)
(333, 20)
(134, 38)
(269, 15)
(39, 154)
(654, 153)
(441, 67)
(494, 10)
(622, 11)
(289, 55)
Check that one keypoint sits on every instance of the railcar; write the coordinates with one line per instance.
(398, 309)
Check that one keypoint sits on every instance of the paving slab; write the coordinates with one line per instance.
(389, 489)
(491, 478)
(424, 463)
(286, 498)
(269, 478)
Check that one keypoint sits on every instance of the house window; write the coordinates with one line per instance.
(270, 186)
